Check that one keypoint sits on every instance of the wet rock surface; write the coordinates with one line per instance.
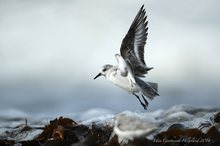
(178, 126)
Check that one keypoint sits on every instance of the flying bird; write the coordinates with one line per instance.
(131, 66)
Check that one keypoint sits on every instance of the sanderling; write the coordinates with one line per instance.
(131, 65)
(128, 127)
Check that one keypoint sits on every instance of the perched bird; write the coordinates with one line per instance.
(129, 126)
(131, 65)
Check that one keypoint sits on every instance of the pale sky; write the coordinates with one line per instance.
(51, 50)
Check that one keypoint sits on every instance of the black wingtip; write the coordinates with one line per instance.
(149, 68)
(142, 8)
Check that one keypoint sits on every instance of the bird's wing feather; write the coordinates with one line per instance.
(132, 47)
(122, 65)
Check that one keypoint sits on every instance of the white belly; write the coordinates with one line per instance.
(122, 82)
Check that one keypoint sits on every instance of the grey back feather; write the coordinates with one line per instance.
(149, 89)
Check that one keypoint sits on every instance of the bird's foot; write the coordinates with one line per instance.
(144, 105)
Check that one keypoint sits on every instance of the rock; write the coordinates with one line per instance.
(178, 125)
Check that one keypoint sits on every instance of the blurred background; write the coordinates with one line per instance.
(50, 52)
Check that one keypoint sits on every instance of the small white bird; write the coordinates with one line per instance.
(130, 126)
(131, 65)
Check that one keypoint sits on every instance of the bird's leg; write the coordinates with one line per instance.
(145, 106)
(146, 102)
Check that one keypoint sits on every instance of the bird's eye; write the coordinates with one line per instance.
(104, 69)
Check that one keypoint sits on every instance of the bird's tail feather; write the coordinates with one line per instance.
(149, 89)
(153, 85)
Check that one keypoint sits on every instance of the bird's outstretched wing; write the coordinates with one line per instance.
(132, 47)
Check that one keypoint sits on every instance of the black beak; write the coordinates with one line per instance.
(97, 76)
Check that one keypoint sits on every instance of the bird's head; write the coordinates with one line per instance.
(103, 71)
